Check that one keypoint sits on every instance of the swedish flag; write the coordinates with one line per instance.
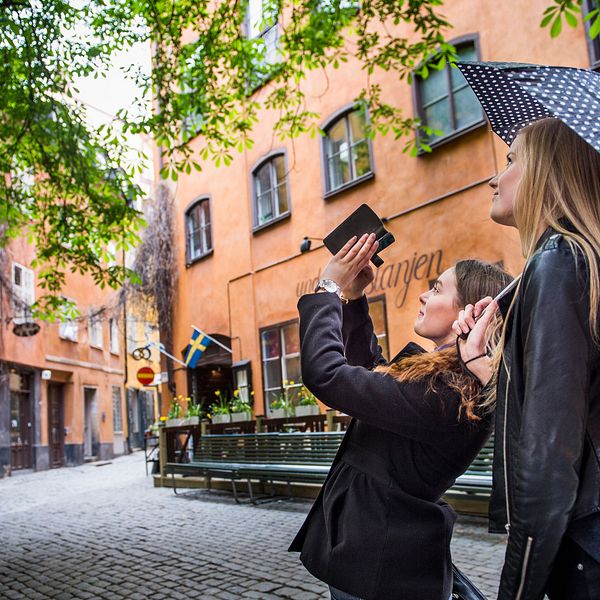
(196, 348)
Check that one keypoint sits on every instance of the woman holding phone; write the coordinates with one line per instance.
(379, 529)
(547, 457)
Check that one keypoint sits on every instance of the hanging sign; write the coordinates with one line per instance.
(145, 376)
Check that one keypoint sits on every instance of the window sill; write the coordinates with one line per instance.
(96, 347)
(274, 221)
(198, 258)
(68, 339)
(115, 353)
(351, 184)
(452, 136)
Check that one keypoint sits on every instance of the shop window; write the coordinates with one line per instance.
(270, 188)
(198, 230)
(23, 281)
(67, 327)
(242, 377)
(377, 311)
(280, 353)
(113, 332)
(445, 101)
(347, 151)
(117, 408)
(95, 331)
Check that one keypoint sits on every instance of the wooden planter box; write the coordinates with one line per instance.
(221, 418)
(240, 416)
(306, 411)
(183, 421)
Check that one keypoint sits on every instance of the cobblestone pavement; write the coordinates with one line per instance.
(103, 531)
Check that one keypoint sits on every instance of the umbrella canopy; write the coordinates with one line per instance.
(516, 94)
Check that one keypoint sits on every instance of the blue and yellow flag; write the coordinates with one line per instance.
(196, 348)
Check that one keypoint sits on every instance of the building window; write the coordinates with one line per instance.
(347, 150)
(445, 101)
(280, 352)
(379, 318)
(95, 331)
(198, 232)
(23, 283)
(593, 43)
(113, 329)
(262, 26)
(67, 327)
(271, 200)
(117, 409)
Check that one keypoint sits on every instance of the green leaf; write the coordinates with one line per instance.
(571, 19)
(556, 27)
(595, 28)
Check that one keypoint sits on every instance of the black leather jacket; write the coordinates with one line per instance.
(547, 455)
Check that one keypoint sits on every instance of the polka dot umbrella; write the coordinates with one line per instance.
(516, 94)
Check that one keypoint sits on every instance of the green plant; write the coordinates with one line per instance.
(307, 398)
(239, 404)
(174, 410)
(194, 410)
(222, 405)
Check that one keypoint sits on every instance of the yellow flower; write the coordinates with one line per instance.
(218, 393)
(236, 393)
(291, 383)
(163, 418)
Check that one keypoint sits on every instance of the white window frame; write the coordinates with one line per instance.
(113, 336)
(68, 328)
(117, 408)
(23, 285)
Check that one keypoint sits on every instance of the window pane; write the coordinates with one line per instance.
(336, 137)
(357, 122)
(270, 344)
(467, 109)
(437, 116)
(206, 239)
(362, 161)
(291, 336)
(272, 374)
(265, 208)
(272, 395)
(282, 199)
(292, 369)
(263, 179)
(339, 172)
(255, 17)
(270, 38)
(434, 86)
(467, 52)
(279, 164)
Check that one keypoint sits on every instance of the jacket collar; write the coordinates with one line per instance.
(410, 349)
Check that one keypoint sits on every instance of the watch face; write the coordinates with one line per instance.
(329, 285)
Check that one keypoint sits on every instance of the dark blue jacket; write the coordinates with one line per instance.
(378, 529)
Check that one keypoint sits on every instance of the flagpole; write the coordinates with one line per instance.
(161, 348)
(212, 339)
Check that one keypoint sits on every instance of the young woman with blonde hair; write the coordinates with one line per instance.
(379, 529)
(547, 455)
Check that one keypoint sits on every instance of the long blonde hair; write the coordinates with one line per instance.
(560, 180)
(474, 280)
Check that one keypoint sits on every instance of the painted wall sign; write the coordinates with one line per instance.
(398, 275)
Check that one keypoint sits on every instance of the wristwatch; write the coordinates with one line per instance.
(329, 286)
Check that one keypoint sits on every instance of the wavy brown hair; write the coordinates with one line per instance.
(475, 279)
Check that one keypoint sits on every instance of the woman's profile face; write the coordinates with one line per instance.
(505, 186)
(439, 309)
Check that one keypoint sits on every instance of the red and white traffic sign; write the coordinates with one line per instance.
(145, 376)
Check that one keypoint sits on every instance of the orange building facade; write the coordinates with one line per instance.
(240, 228)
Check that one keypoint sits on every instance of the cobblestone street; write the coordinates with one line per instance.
(103, 531)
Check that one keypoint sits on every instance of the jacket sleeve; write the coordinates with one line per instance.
(405, 408)
(360, 343)
(545, 454)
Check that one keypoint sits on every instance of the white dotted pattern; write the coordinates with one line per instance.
(514, 95)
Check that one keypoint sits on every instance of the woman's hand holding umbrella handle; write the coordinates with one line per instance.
(350, 269)
(471, 327)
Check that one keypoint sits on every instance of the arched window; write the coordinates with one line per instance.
(198, 230)
(444, 99)
(346, 149)
(270, 190)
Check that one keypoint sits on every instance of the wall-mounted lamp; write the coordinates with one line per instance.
(306, 242)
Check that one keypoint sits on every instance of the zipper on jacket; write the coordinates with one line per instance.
(524, 567)
(504, 446)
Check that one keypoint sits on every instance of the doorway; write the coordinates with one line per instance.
(21, 425)
(91, 430)
(56, 425)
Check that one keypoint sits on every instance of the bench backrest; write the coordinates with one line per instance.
(483, 462)
(317, 448)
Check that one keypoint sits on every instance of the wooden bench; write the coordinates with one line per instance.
(300, 457)
(267, 457)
